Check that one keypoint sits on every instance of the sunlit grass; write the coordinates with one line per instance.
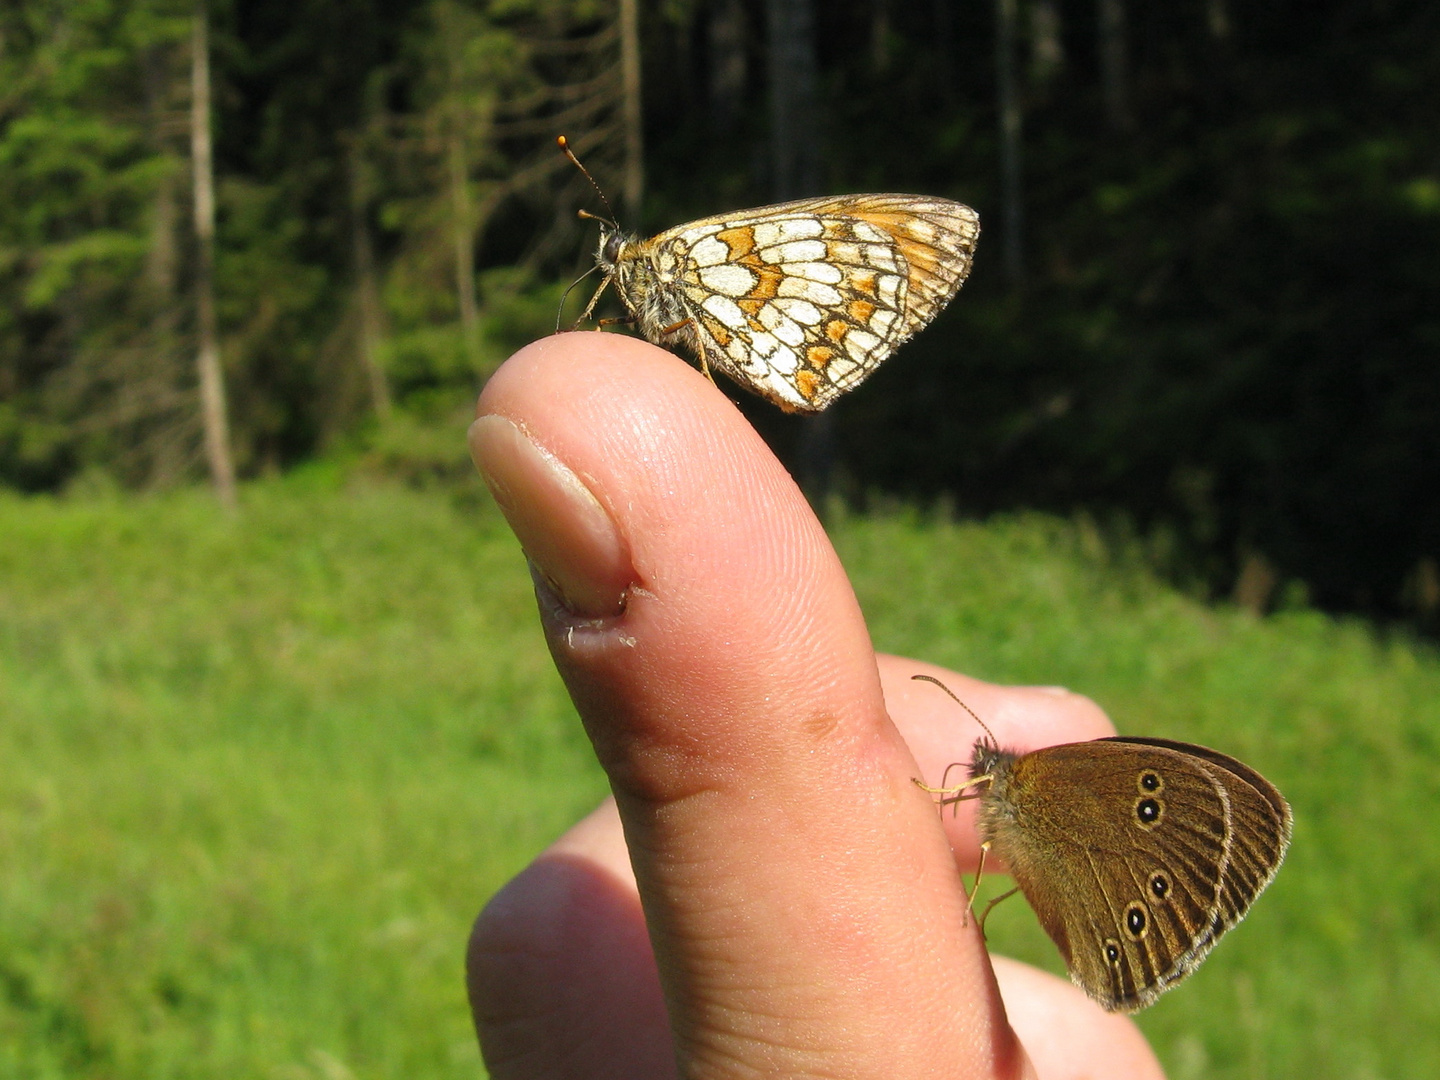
(257, 776)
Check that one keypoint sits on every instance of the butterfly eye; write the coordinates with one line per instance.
(613, 244)
(1150, 781)
(1135, 920)
(1160, 886)
(1149, 811)
(1112, 951)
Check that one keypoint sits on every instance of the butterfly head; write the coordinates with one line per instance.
(613, 244)
(988, 759)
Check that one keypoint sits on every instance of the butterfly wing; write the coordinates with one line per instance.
(1142, 865)
(801, 301)
(1260, 830)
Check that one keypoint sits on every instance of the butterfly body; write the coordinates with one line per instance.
(798, 302)
(1136, 854)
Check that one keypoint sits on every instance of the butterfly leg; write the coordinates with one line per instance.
(595, 299)
(955, 794)
(695, 339)
(993, 901)
(970, 897)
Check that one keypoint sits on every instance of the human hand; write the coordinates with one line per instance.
(768, 893)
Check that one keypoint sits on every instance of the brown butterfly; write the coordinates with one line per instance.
(1136, 854)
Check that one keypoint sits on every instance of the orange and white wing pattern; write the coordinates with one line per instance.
(803, 300)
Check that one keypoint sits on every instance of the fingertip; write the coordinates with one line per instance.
(1066, 1035)
(1021, 718)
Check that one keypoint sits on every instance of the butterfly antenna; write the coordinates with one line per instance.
(564, 145)
(560, 312)
(942, 686)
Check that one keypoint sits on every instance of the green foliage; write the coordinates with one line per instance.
(80, 170)
(260, 775)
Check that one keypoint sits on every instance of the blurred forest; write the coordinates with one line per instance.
(1206, 306)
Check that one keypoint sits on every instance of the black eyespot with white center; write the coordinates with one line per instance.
(1137, 922)
(1149, 812)
(1112, 951)
(1159, 885)
(1150, 782)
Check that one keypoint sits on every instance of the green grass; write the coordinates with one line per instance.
(257, 776)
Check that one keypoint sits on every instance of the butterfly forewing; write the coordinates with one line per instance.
(801, 301)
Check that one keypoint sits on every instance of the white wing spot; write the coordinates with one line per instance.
(801, 228)
(882, 257)
(860, 345)
(710, 252)
(763, 345)
(794, 252)
(824, 272)
(728, 278)
(817, 294)
(802, 311)
(770, 233)
(724, 309)
(766, 233)
(790, 332)
(863, 230)
(882, 321)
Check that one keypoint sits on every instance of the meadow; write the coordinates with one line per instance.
(258, 774)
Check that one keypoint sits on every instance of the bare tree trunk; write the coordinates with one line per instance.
(633, 117)
(366, 284)
(212, 383)
(170, 449)
(1047, 49)
(464, 244)
(725, 39)
(1114, 65)
(794, 104)
(1217, 17)
(1012, 244)
(880, 35)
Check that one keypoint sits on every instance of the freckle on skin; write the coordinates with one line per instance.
(821, 726)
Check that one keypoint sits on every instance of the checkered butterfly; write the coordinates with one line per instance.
(800, 301)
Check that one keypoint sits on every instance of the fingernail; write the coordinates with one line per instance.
(565, 531)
